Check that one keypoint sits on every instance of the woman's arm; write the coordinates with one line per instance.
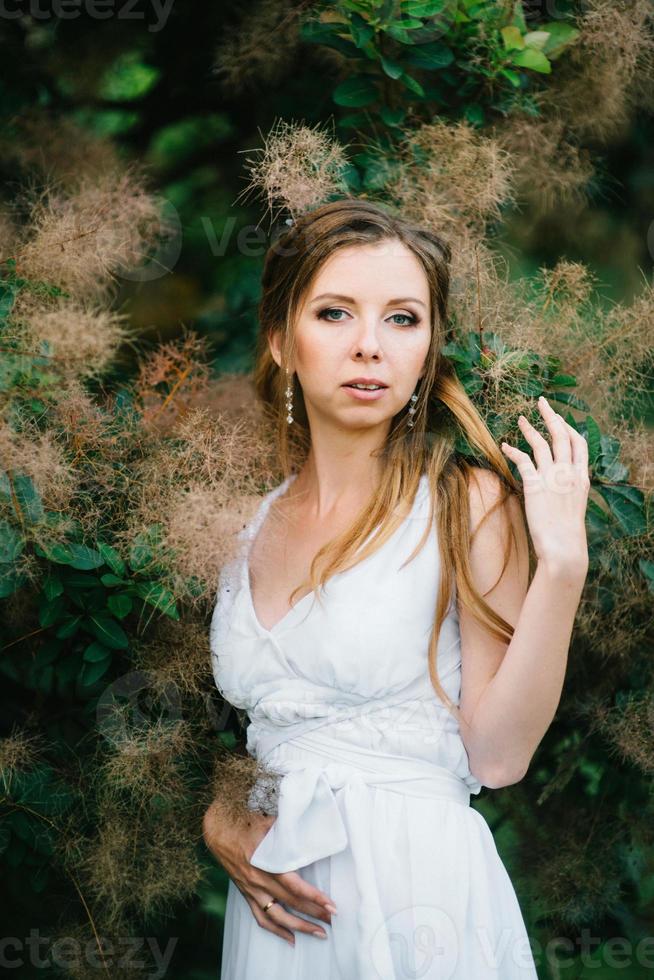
(510, 692)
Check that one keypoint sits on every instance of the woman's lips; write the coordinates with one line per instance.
(365, 395)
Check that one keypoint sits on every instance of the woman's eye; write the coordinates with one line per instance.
(407, 317)
(322, 313)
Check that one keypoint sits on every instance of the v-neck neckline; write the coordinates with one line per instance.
(251, 532)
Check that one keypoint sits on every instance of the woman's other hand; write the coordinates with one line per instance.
(233, 845)
(555, 489)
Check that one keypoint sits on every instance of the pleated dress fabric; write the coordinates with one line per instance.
(374, 789)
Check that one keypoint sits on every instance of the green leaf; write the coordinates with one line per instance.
(391, 68)
(594, 440)
(430, 57)
(330, 36)
(513, 39)
(92, 672)
(353, 120)
(51, 611)
(109, 579)
(378, 173)
(400, 34)
(112, 558)
(355, 92)
(608, 465)
(405, 24)
(561, 36)
(106, 629)
(533, 59)
(68, 627)
(596, 518)
(412, 84)
(52, 587)
(512, 76)
(120, 605)
(28, 498)
(362, 32)
(531, 387)
(81, 582)
(8, 293)
(568, 398)
(536, 39)
(392, 117)
(83, 557)
(423, 8)
(142, 554)
(11, 543)
(11, 580)
(474, 114)
(563, 380)
(627, 506)
(518, 18)
(129, 77)
(55, 552)
(614, 471)
(158, 596)
(96, 651)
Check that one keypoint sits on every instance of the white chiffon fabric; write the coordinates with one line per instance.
(374, 792)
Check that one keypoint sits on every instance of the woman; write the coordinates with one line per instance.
(390, 691)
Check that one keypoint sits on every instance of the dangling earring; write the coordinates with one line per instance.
(412, 409)
(289, 399)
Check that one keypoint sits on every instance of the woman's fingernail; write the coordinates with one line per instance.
(320, 935)
(332, 909)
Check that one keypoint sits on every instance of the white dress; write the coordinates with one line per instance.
(374, 798)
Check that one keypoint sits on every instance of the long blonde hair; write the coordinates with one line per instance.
(443, 411)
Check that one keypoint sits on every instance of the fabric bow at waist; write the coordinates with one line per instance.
(325, 810)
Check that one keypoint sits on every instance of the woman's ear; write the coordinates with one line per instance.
(274, 343)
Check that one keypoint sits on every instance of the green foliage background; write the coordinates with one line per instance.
(181, 99)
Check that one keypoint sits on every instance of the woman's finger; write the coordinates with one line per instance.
(264, 920)
(528, 472)
(561, 447)
(537, 441)
(285, 919)
(579, 450)
(305, 897)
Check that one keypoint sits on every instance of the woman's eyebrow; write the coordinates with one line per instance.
(350, 299)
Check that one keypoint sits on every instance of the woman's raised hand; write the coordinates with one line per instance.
(555, 489)
(233, 846)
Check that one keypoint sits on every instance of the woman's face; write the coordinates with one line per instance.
(366, 315)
